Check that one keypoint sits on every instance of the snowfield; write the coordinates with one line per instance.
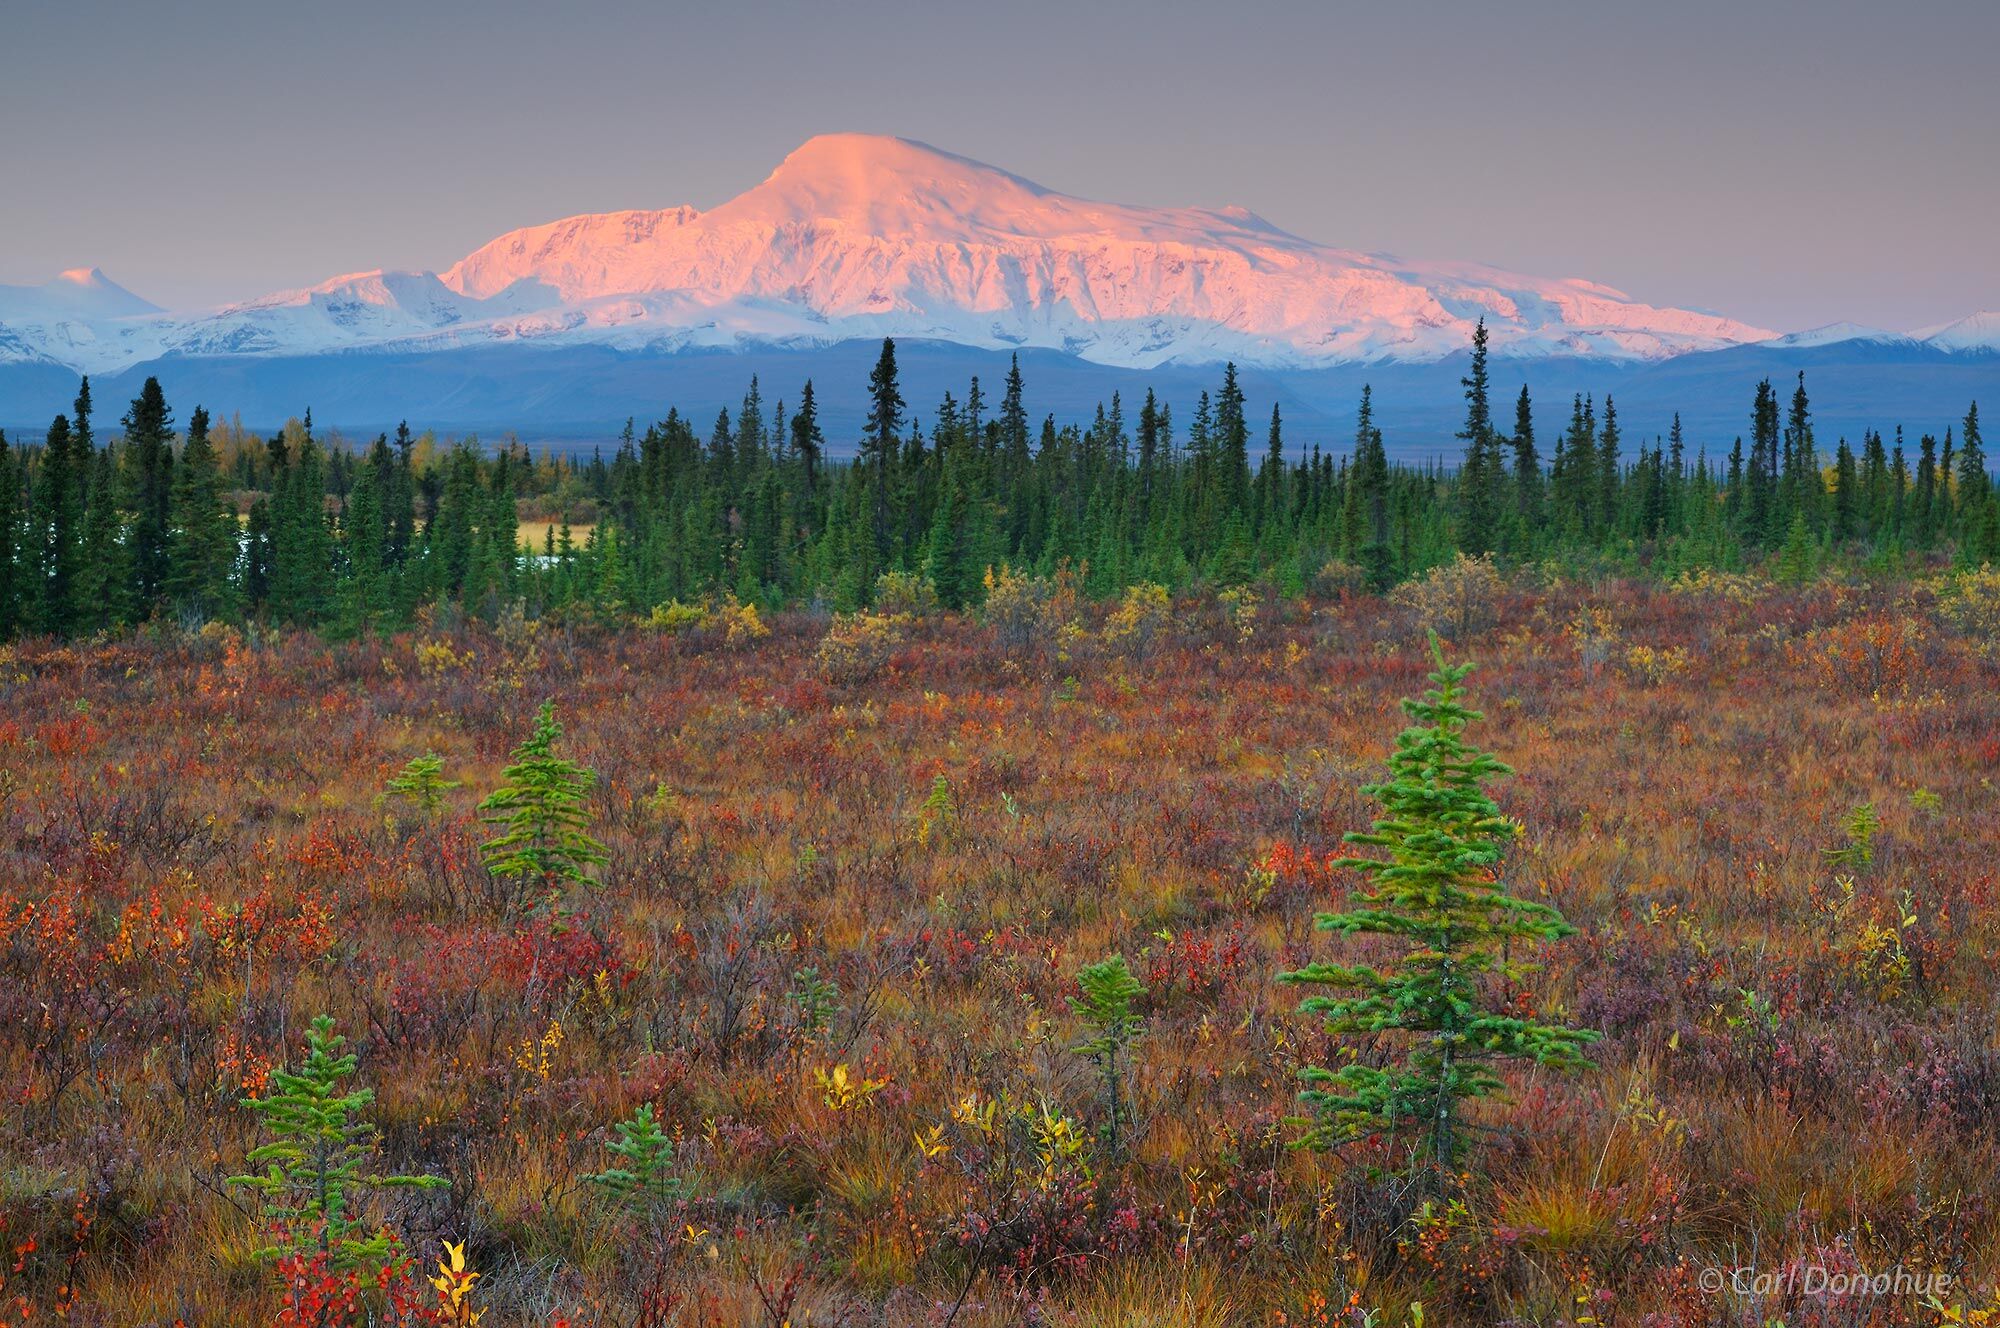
(858, 236)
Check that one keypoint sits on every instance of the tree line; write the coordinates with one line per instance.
(185, 526)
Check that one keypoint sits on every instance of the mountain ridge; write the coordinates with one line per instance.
(854, 237)
(857, 236)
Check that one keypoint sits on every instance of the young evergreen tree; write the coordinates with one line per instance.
(544, 845)
(1106, 991)
(641, 1181)
(1436, 893)
(312, 1179)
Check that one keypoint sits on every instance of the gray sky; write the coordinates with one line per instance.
(1789, 164)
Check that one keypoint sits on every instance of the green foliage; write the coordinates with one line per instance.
(422, 781)
(1798, 561)
(545, 840)
(939, 813)
(1104, 1004)
(1435, 895)
(961, 512)
(201, 553)
(1858, 853)
(312, 1166)
(815, 1001)
(642, 1180)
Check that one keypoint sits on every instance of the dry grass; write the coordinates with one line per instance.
(194, 859)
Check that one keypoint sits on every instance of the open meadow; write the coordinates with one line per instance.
(847, 891)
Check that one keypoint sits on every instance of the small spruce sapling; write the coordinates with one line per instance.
(642, 1181)
(545, 837)
(422, 781)
(1104, 1004)
(313, 1162)
(1436, 895)
(815, 1000)
(1858, 853)
(938, 814)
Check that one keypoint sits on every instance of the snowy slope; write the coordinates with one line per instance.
(80, 293)
(1834, 334)
(1979, 333)
(75, 319)
(856, 236)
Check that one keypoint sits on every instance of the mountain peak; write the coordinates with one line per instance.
(883, 159)
(1979, 332)
(75, 293)
(858, 236)
(1835, 333)
(890, 187)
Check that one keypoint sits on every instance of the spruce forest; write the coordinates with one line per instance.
(204, 524)
(993, 872)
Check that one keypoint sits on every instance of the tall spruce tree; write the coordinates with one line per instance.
(203, 532)
(149, 464)
(879, 451)
(1527, 469)
(1604, 500)
(807, 440)
(1368, 493)
(1978, 523)
(1763, 514)
(1479, 475)
(14, 565)
(364, 529)
(103, 592)
(55, 529)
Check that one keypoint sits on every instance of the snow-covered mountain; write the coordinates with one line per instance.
(1834, 334)
(71, 321)
(857, 236)
(1979, 334)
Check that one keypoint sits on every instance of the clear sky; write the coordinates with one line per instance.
(1789, 164)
